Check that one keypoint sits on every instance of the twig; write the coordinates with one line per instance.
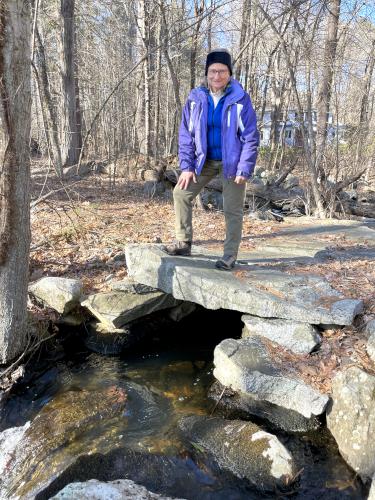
(28, 350)
(218, 401)
(50, 193)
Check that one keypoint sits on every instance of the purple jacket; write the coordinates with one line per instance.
(239, 134)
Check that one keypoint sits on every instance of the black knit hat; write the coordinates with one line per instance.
(219, 56)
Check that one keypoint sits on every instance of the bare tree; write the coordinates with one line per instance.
(15, 106)
(325, 88)
(70, 133)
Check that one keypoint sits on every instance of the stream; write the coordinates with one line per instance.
(164, 378)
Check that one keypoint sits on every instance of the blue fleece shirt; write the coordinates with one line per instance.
(214, 128)
(214, 117)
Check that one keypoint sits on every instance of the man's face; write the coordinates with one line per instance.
(218, 76)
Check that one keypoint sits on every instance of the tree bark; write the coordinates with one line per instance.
(198, 12)
(71, 138)
(144, 105)
(363, 127)
(325, 88)
(48, 108)
(15, 109)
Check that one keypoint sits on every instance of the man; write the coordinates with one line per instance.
(218, 135)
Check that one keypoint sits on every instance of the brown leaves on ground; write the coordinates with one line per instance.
(79, 232)
(340, 348)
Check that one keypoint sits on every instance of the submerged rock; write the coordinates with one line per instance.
(351, 419)
(260, 291)
(108, 341)
(243, 448)
(59, 422)
(235, 404)
(246, 366)
(116, 309)
(296, 336)
(164, 474)
(61, 294)
(113, 490)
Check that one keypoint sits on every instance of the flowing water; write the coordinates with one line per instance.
(166, 377)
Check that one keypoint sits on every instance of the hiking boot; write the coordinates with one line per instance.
(178, 248)
(226, 263)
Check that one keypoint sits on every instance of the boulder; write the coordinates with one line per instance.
(62, 421)
(116, 309)
(370, 333)
(370, 347)
(298, 337)
(370, 328)
(246, 366)
(243, 448)
(113, 490)
(256, 290)
(9, 440)
(61, 294)
(351, 419)
(235, 404)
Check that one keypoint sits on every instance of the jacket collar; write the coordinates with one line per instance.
(233, 90)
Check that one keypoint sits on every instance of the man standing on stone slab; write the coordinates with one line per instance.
(218, 135)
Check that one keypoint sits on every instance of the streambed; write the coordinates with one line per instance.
(164, 378)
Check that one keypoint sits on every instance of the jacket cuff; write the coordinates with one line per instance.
(243, 174)
(185, 168)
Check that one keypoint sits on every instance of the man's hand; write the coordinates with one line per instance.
(185, 179)
(240, 179)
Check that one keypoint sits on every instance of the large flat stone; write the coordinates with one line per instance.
(256, 290)
(296, 336)
(246, 366)
(116, 309)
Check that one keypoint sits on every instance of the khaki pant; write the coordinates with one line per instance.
(233, 199)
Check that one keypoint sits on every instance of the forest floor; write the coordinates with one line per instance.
(78, 230)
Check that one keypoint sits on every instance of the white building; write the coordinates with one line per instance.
(289, 130)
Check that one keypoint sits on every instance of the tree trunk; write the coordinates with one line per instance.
(198, 12)
(144, 104)
(363, 127)
(245, 26)
(46, 103)
(15, 109)
(325, 89)
(70, 130)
